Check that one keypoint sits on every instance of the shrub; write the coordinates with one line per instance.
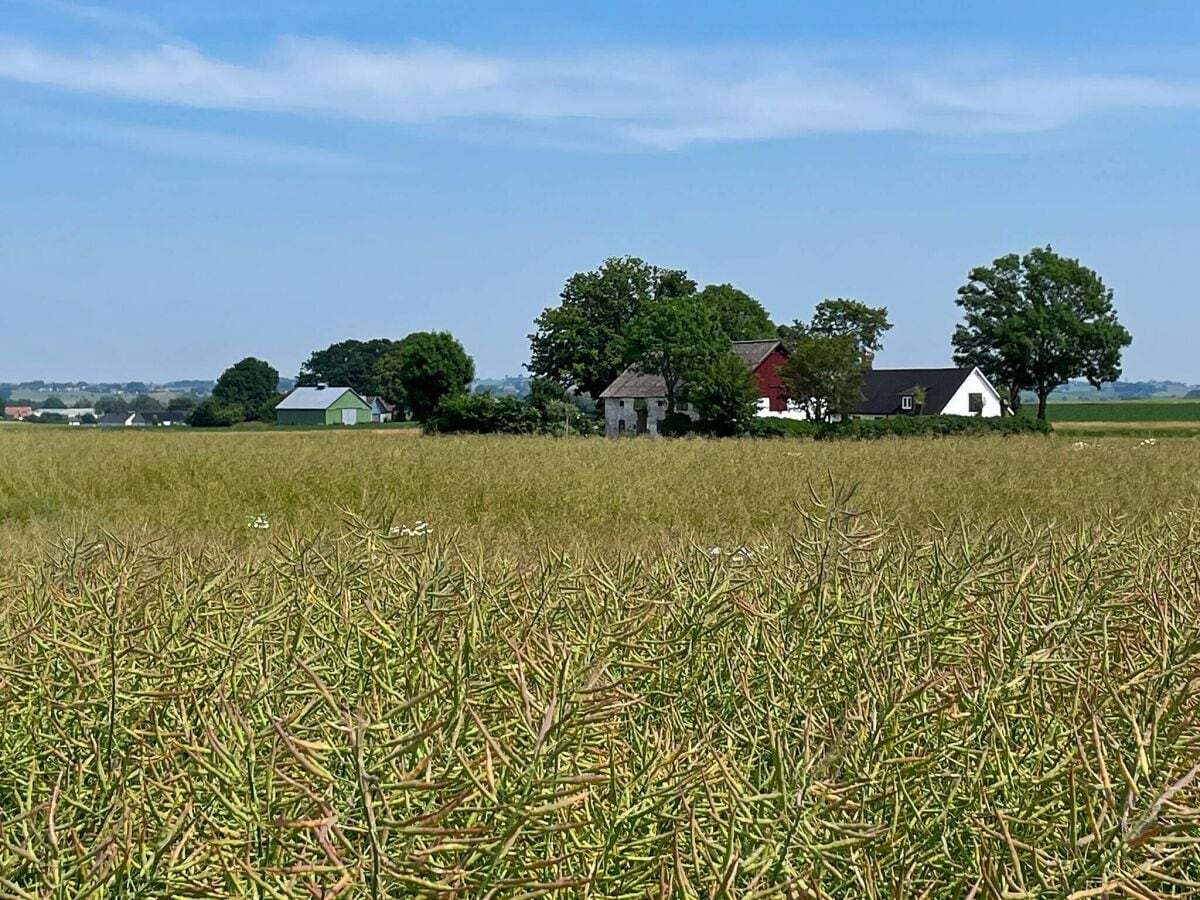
(773, 428)
(484, 414)
(726, 396)
(676, 424)
(211, 413)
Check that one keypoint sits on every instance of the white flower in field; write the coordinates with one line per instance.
(1148, 442)
(421, 528)
(258, 522)
(742, 555)
(715, 551)
(1080, 445)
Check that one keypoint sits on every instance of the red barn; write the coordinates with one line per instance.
(18, 412)
(764, 358)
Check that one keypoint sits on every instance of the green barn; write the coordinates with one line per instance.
(322, 405)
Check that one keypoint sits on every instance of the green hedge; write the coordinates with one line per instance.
(901, 426)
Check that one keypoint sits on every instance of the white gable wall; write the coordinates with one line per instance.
(975, 383)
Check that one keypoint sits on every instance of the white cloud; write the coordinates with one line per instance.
(649, 97)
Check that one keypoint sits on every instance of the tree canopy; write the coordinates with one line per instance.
(675, 338)
(1034, 322)
(422, 369)
(144, 403)
(725, 394)
(250, 384)
(211, 413)
(836, 317)
(353, 364)
(111, 404)
(824, 375)
(581, 343)
(739, 316)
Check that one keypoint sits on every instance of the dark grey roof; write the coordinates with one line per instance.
(883, 389)
(752, 353)
(376, 402)
(113, 419)
(634, 383)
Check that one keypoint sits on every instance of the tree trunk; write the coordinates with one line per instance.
(1014, 398)
(1042, 397)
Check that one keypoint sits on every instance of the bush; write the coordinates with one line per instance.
(676, 424)
(484, 414)
(774, 428)
(211, 413)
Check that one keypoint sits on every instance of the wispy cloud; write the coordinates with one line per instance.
(101, 17)
(659, 98)
(187, 143)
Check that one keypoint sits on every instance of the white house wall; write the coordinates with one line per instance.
(617, 410)
(975, 383)
(792, 412)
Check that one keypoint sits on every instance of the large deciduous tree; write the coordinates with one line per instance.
(250, 384)
(350, 363)
(422, 369)
(725, 393)
(836, 317)
(674, 338)
(739, 316)
(1035, 322)
(581, 342)
(824, 375)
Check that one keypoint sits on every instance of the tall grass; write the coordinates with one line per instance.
(925, 687)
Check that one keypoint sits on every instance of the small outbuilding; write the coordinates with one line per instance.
(381, 410)
(323, 405)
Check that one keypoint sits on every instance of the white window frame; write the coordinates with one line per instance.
(906, 403)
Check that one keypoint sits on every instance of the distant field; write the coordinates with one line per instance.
(1122, 411)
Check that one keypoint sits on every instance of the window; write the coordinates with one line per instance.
(906, 402)
(662, 403)
(622, 402)
(975, 403)
(681, 406)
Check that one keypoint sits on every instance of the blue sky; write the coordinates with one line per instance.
(183, 184)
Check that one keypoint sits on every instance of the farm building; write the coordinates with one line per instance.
(929, 392)
(381, 410)
(636, 402)
(18, 412)
(322, 405)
